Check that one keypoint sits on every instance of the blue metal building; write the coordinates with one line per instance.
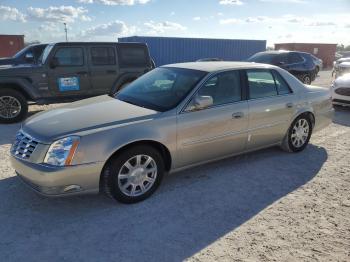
(167, 50)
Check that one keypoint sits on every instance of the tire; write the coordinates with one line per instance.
(124, 184)
(317, 70)
(306, 79)
(13, 106)
(289, 143)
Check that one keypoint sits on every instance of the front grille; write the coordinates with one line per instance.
(343, 91)
(23, 146)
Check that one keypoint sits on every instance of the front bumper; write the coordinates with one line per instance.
(57, 181)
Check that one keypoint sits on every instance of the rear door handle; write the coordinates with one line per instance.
(237, 115)
(111, 72)
(289, 105)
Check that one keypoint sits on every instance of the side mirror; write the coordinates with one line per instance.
(200, 102)
(54, 63)
(29, 57)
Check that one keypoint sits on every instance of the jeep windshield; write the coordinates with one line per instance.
(161, 89)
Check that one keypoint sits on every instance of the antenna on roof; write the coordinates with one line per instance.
(66, 31)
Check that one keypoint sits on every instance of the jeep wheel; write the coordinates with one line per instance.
(13, 106)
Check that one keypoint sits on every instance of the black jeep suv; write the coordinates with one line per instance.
(300, 64)
(70, 71)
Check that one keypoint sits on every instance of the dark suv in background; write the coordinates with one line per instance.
(299, 64)
(68, 72)
(28, 55)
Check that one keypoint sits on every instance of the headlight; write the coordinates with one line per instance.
(61, 152)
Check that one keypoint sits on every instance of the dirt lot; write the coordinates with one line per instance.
(263, 206)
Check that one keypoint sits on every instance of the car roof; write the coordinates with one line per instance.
(218, 66)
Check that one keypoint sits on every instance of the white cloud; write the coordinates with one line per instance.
(11, 13)
(114, 28)
(230, 21)
(286, 19)
(230, 2)
(163, 27)
(196, 18)
(114, 2)
(62, 13)
(320, 23)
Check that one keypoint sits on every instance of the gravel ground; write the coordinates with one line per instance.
(263, 206)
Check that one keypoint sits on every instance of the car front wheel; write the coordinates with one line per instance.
(298, 135)
(134, 175)
(306, 79)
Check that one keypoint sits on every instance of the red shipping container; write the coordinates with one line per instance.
(326, 52)
(10, 44)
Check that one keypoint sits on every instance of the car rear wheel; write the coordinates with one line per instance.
(298, 135)
(13, 106)
(134, 174)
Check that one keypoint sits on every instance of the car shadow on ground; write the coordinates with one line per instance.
(342, 115)
(191, 210)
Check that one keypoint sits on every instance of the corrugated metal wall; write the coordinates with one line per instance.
(10, 44)
(167, 50)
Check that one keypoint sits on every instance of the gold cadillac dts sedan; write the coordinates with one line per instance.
(171, 118)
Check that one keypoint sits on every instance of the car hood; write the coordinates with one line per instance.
(12, 70)
(7, 61)
(85, 115)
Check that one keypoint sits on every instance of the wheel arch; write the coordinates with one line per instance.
(162, 149)
(307, 113)
(19, 87)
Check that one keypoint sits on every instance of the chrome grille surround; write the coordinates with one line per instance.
(23, 146)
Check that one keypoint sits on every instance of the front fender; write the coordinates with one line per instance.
(100, 145)
(23, 84)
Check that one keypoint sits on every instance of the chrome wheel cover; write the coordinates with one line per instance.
(10, 107)
(137, 175)
(300, 133)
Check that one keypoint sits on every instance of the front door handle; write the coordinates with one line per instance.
(289, 105)
(111, 72)
(237, 115)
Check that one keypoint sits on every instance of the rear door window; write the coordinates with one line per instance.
(261, 84)
(102, 56)
(282, 86)
(266, 83)
(132, 56)
(294, 58)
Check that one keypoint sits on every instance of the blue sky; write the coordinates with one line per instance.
(325, 21)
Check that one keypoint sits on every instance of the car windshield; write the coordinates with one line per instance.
(45, 54)
(262, 58)
(162, 88)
